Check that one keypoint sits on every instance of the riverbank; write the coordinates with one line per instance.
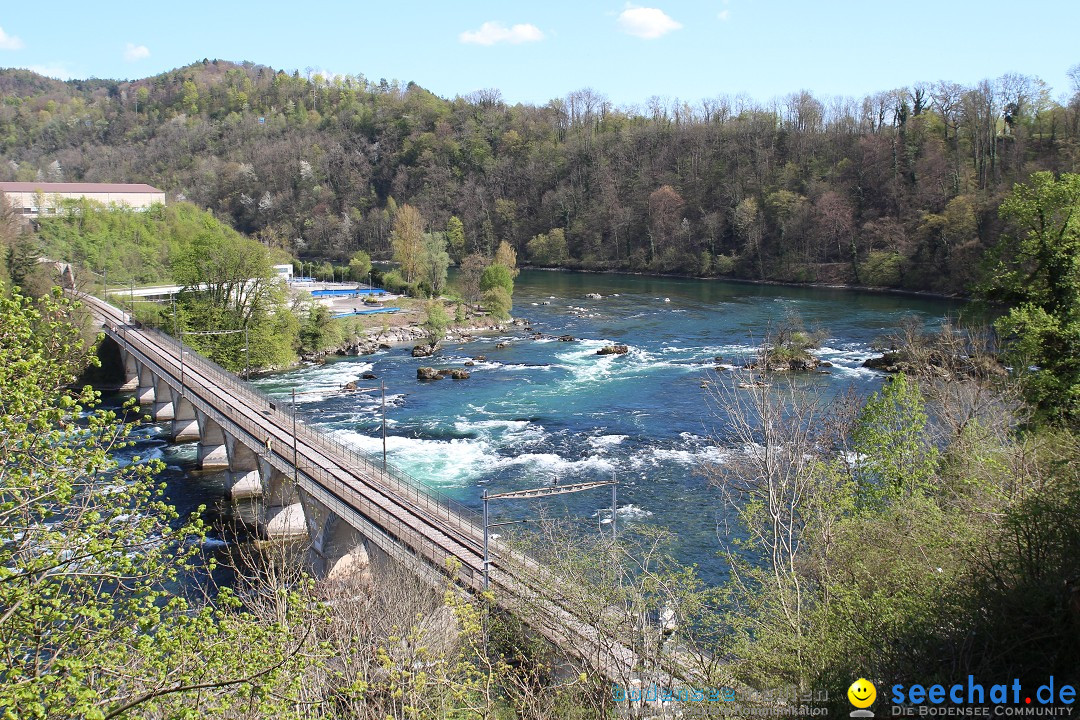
(410, 334)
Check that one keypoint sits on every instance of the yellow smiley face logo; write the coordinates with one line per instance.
(862, 693)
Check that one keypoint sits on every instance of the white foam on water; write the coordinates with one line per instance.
(496, 365)
(463, 424)
(627, 512)
(588, 368)
(603, 442)
(854, 372)
(318, 382)
(696, 451)
(704, 456)
(459, 461)
(503, 433)
(547, 464)
(847, 362)
(449, 463)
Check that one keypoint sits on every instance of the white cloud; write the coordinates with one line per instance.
(133, 52)
(54, 71)
(495, 32)
(648, 23)
(9, 42)
(724, 15)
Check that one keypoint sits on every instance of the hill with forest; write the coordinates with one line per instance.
(899, 189)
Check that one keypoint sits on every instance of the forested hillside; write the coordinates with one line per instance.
(900, 188)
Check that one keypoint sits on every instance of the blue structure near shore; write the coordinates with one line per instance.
(350, 292)
(373, 311)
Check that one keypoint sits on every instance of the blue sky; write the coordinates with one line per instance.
(535, 51)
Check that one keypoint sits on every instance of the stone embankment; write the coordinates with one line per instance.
(408, 334)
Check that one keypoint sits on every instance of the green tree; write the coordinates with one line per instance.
(229, 289)
(407, 241)
(436, 322)
(497, 276)
(359, 265)
(191, 97)
(895, 456)
(497, 289)
(316, 330)
(498, 302)
(548, 249)
(455, 238)
(436, 261)
(90, 556)
(506, 256)
(1037, 271)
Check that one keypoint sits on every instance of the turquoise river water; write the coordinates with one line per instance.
(540, 409)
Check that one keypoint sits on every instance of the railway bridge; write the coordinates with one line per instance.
(348, 505)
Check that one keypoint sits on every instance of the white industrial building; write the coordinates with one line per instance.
(33, 199)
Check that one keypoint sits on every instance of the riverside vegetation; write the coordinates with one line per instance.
(230, 296)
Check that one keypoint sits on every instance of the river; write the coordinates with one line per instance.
(537, 410)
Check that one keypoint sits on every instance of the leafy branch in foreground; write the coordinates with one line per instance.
(91, 555)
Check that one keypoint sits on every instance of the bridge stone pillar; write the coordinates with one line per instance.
(144, 393)
(243, 480)
(282, 514)
(163, 409)
(338, 551)
(212, 452)
(185, 425)
(131, 370)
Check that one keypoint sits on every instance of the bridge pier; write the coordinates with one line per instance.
(243, 479)
(282, 515)
(285, 523)
(163, 408)
(185, 424)
(338, 551)
(144, 392)
(213, 455)
(131, 371)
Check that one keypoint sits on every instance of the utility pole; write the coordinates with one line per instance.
(175, 327)
(614, 502)
(382, 388)
(486, 527)
(247, 355)
(295, 465)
